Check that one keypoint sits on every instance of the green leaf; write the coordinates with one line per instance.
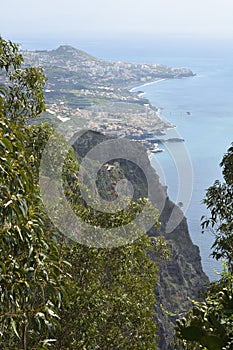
(48, 341)
(8, 203)
(52, 313)
(3, 266)
(14, 328)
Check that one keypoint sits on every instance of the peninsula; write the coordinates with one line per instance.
(86, 92)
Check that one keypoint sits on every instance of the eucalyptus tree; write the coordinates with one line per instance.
(31, 267)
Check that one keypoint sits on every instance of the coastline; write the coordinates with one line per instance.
(156, 135)
(146, 84)
(136, 90)
(199, 160)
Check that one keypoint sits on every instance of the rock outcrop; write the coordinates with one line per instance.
(181, 277)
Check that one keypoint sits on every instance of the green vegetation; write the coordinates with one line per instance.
(56, 293)
(111, 300)
(32, 277)
(22, 97)
(209, 324)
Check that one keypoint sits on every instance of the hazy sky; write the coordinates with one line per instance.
(28, 18)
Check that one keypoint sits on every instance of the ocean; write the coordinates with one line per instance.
(201, 107)
(207, 129)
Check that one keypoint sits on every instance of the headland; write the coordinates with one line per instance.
(83, 91)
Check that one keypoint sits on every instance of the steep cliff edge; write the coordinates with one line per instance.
(181, 277)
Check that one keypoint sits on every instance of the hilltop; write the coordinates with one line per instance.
(67, 51)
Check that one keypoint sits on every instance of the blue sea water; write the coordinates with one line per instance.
(208, 127)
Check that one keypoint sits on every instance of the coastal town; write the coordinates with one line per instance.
(83, 92)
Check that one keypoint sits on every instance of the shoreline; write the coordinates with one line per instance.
(146, 84)
(140, 94)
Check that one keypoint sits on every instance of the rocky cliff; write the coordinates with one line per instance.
(181, 277)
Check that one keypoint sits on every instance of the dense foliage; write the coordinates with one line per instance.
(31, 265)
(21, 95)
(219, 200)
(55, 292)
(112, 299)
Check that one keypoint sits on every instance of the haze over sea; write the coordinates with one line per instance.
(208, 97)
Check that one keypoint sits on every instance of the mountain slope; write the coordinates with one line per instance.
(181, 277)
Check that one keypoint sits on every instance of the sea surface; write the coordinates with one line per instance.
(207, 129)
(201, 107)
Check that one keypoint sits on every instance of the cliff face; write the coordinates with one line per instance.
(181, 277)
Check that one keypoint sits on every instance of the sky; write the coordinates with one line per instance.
(99, 18)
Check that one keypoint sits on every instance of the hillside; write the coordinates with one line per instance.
(181, 277)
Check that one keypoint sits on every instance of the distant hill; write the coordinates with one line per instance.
(89, 70)
(68, 52)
